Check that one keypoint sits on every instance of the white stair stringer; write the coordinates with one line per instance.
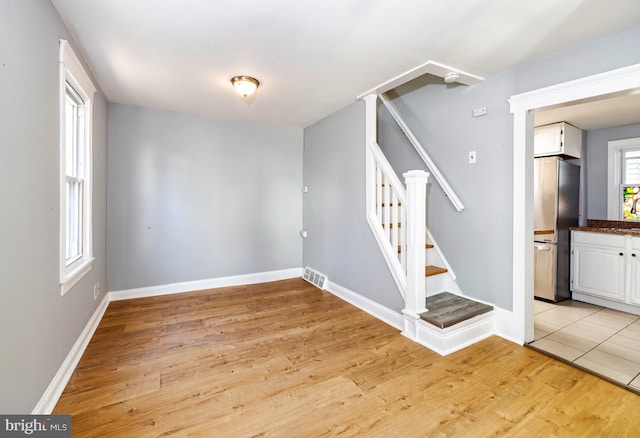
(443, 282)
(451, 339)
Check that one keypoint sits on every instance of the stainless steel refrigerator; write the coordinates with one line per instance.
(556, 196)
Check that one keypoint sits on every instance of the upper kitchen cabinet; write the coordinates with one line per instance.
(557, 139)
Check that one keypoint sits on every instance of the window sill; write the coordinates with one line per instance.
(74, 275)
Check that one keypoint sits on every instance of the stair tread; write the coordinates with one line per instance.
(426, 246)
(447, 309)
(433, 270)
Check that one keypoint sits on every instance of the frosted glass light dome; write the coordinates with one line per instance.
(245, 85)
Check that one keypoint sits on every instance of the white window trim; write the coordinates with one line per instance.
(71, 71)
(614, 174)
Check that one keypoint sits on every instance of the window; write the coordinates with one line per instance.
(630, 166)
(624, 180)
(76, 98)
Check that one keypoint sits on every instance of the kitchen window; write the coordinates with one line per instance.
(631, 166)
(623, 201)
(76, 99)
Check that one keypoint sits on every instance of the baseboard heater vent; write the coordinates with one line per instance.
(315, 278)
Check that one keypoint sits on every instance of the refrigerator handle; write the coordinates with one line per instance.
(539, 247)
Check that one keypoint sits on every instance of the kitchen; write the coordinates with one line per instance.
(589, 330)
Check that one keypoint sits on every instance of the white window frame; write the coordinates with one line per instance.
(614, 174)
(72, 73)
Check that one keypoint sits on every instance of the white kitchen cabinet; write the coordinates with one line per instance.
(598, 265)
(557, 139)
(605, 270)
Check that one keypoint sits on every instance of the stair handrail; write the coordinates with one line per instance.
(389, 173)
(433, 169)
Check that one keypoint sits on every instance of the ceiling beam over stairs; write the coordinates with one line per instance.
(430, 67)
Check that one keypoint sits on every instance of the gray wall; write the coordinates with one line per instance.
(38, 326)
(478, 241)
(597, 165)
(598, 56)
(192, 198)
(340, 243)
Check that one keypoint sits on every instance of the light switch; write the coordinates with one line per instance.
(472, 157)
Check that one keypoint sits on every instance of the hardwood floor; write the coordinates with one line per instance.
(285, 359)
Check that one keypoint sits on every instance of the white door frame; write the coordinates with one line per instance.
(523, 107)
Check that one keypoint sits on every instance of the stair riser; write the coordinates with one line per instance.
(451, 339)
(441, 283)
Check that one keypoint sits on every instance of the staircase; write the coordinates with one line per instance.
(452, 321)
(436, 314)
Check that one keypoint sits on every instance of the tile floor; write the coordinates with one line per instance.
(601, 340)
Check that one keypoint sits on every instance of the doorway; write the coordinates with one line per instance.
(523, 107)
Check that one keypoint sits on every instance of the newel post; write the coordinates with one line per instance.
(416, 181)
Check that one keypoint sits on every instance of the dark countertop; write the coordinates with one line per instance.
(610, 227)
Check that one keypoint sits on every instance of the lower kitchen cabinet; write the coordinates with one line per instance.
(606, 267)
(599, 263)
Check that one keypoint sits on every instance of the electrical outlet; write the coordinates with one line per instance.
(96, 291)
(482, 111)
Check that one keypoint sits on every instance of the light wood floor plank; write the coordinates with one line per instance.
(287, 360)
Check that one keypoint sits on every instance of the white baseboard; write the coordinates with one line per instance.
(451, 339)
(391, 317)
(54, 390)
(445, 341)
(189, 286)
(504, 326)
(623, 307)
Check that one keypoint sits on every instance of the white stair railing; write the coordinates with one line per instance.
(397, 218)
(441, 180)
(387, 214)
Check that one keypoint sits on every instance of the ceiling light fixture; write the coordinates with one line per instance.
(245, 85)
(451, 77)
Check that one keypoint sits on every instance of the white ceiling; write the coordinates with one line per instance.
(313, 57)
(604, 112)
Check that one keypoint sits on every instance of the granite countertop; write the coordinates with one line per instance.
(610, 227)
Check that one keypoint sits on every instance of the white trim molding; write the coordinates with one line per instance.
(384, 314)
(212, 283)
(61, 378)
(451, 339)
(430, 67)
(522, 107)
